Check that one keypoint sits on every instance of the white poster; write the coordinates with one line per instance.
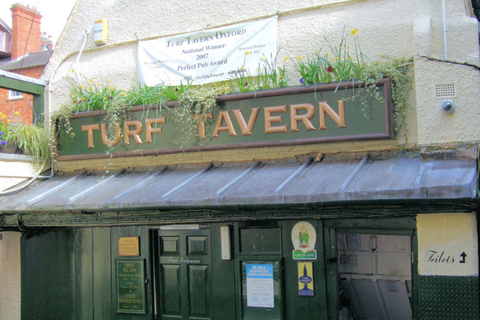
(260, 285)
(207, 56)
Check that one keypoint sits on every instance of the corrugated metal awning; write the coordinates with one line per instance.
(331, 180)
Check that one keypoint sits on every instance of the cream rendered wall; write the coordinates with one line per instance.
(10, 275)
(442, 240)
(407, 28)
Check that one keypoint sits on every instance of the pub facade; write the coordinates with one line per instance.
(325, 200)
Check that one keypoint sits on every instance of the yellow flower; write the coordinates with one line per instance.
(90, 80)
(123, 93)
(82, 87)
(73, 70)
(15, 113)
(247, 53)
(348, 48)
(285, 59)
(336, 58)
(299, 58)
(262, 58)
(26, 133)
(99, 85)
(354, 31)
(326, 54)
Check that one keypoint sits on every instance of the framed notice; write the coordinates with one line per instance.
(130, 286)
(261, 283)
(129, 246)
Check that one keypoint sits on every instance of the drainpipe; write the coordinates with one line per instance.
(445, 30)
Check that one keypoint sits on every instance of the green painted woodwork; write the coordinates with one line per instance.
(287, 127)
(71, 273)
(260, 241)
(444, 297)
(48, 275)
(36, 90)
(184, 274)
(297, 307)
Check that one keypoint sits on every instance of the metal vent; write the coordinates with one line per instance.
(445, 90)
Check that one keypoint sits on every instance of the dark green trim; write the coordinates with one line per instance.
(414, 247)
(350, 212)
(388, 226)
(448, 297)
(37, 90)
(332, 272)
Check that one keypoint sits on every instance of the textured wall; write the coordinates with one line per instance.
(442, 239)
(10, 275)
(386, 27)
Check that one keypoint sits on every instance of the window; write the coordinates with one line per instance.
(12, 94)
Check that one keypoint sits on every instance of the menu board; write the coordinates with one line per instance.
(131, 286)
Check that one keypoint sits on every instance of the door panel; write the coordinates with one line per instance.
(171, 299)
(198, 290)
(184, 274)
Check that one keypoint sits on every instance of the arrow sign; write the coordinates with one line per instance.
(463, 255)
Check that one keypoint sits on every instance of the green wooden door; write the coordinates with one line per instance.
(183, 274)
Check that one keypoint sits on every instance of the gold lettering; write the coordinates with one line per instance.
(134, 133)
(246, 128)
(269, 119)
(201, 125)
(295, 118)
(150, 130)
(338, 118)
(228, 122)
(89, 128)
(105, 139)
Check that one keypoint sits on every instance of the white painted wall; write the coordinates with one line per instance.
(407, 28)
(443, 239)
(10, 275)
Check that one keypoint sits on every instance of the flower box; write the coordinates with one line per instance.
(276, 117)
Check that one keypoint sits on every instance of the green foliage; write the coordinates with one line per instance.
(195, 105)
(401, 79)
(32, 140)
(268, 76)
(339, 64)
(343, 62)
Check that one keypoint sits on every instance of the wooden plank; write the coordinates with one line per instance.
(102, 276)
(84, 273)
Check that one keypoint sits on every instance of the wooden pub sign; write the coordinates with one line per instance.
(277, 117)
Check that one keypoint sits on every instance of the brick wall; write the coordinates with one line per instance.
(25, 27)
(10, 276)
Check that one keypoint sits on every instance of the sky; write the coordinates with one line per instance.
(54, 14)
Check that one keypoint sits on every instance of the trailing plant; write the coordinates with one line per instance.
(196, 105)
(401, 81)
(31, 140)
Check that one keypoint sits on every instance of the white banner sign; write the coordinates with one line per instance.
(207, 56)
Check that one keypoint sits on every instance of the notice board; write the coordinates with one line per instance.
(131, 286)
(261, 293)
